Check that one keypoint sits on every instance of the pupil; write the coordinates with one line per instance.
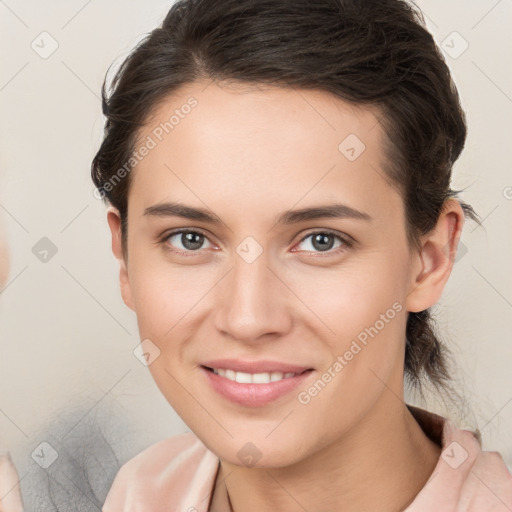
(320, 242)
(187, 239)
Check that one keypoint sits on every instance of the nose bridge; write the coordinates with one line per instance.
(249, 304)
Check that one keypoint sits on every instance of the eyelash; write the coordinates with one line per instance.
(346, 243)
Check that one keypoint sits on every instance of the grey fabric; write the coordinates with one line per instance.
(92, 445)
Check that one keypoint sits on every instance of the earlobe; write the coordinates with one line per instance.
(114, 222)
(435, 259)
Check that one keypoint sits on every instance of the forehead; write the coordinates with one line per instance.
(238, 142)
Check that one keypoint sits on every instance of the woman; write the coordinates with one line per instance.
(278, 175)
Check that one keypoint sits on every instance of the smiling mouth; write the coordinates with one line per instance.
(253, 378)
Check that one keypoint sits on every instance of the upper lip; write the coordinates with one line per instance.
(264, 366)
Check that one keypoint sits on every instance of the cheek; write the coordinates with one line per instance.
(352, 297)
(362, 306)
(165, 296)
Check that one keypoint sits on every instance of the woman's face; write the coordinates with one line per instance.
(325, 293)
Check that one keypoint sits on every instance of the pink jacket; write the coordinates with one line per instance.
(178, 474)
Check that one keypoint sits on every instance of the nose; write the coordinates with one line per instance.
(252, 303)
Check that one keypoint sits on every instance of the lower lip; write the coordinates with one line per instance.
(254, 395)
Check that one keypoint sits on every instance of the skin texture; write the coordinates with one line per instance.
(247, 155)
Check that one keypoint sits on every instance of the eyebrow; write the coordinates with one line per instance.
(335, 210)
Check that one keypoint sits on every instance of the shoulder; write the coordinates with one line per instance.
(488, 485)
(466, 478)
(171, 474)
(161, 456)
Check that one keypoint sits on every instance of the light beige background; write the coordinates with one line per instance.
(67, 339)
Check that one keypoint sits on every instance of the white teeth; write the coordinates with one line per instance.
(243, 378)
(260, 378)
(252, 378)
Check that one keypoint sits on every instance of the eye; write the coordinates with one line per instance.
(323, 241)
(190, 241)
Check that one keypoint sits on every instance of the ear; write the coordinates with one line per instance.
(434, 261)
(114, 222)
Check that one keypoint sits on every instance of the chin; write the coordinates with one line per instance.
(257, 451)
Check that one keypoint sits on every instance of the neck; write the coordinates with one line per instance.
(380, 464)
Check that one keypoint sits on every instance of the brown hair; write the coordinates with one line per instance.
(373, 52)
